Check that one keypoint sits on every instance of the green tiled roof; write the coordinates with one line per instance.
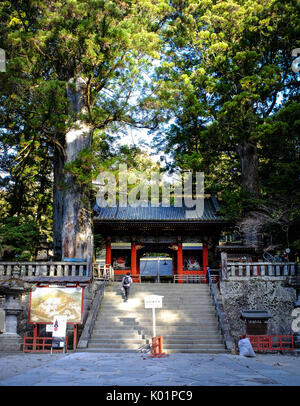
(160, 213)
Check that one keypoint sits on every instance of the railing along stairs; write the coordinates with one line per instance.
(90, 322)
(222, 320)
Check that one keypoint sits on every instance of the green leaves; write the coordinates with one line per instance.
(18, 239)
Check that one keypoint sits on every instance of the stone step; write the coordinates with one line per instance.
(190, 346)
(166, 341)
(154, 286)
(127, 345)
(112, 350)
(138, 298)
(170, 290)
(159, 331)
(166, 315)
(195, 350)
(175, 300)
(187, 321)
(100, 341)
(159, 321)
(126, 335)
(187, 340)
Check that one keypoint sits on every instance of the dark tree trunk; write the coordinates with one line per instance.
(247, 150)
(73, 234)
(58, 201)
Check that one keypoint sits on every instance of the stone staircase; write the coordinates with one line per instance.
(187, 320)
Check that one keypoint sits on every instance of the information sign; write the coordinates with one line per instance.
(59, 331)
(153, 302)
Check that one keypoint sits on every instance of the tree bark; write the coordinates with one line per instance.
(58, 202)
(247, 150)
(72, 207)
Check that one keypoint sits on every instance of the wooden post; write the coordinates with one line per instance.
(35, 335)
(133, 258)
(180, 261)
(205, 259)
(75, 339)
(108, 253)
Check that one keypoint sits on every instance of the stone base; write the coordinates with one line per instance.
(10, 342)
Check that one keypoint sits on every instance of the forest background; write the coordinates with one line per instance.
(213, 86)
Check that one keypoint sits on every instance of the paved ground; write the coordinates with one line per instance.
(102, 369)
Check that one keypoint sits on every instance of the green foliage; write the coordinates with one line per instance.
(227, 87)
(18, 239)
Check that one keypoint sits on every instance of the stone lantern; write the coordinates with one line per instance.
(12, 289)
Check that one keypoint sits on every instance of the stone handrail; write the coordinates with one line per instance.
(261, 268)
(221, 315)
(34, 269)
(90, 322)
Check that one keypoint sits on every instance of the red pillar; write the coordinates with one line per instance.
(108, 253)
(174, 268)
(204, 258)
(180, 261)
(75, 339)
(133, 258)
(36, 331)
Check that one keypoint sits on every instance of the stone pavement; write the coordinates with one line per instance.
(136, 369)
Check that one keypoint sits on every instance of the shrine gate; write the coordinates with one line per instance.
(131, 233)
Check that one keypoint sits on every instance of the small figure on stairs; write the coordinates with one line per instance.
(126, 282)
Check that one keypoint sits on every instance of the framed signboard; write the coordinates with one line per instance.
(47, 302)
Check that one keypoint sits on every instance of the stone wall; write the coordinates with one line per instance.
(262, 293)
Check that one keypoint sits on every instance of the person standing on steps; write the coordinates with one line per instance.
(126, 282)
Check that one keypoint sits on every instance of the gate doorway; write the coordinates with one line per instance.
(155, 263)
(156, 268)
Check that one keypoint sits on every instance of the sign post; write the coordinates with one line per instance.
(153, 302)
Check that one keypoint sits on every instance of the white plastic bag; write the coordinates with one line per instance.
(245, 348)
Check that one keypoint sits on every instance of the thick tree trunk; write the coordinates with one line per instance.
(71, 202)
(247, 150)
(58, 201)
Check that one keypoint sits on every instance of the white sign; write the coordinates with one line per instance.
(59, 331)
(153, 302)
(49, 328)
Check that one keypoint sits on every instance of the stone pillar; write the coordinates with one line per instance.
(224, 265)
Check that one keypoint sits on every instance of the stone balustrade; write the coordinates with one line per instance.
(248, 269)
(51, 269)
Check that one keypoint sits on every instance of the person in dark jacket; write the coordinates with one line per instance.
(126, 282)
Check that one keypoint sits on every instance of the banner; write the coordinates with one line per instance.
(59, 331)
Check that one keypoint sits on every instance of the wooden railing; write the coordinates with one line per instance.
(27, 269)
(194, 278)
(272, 342)
(100, 271)
(261, 269)
(41, 344)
